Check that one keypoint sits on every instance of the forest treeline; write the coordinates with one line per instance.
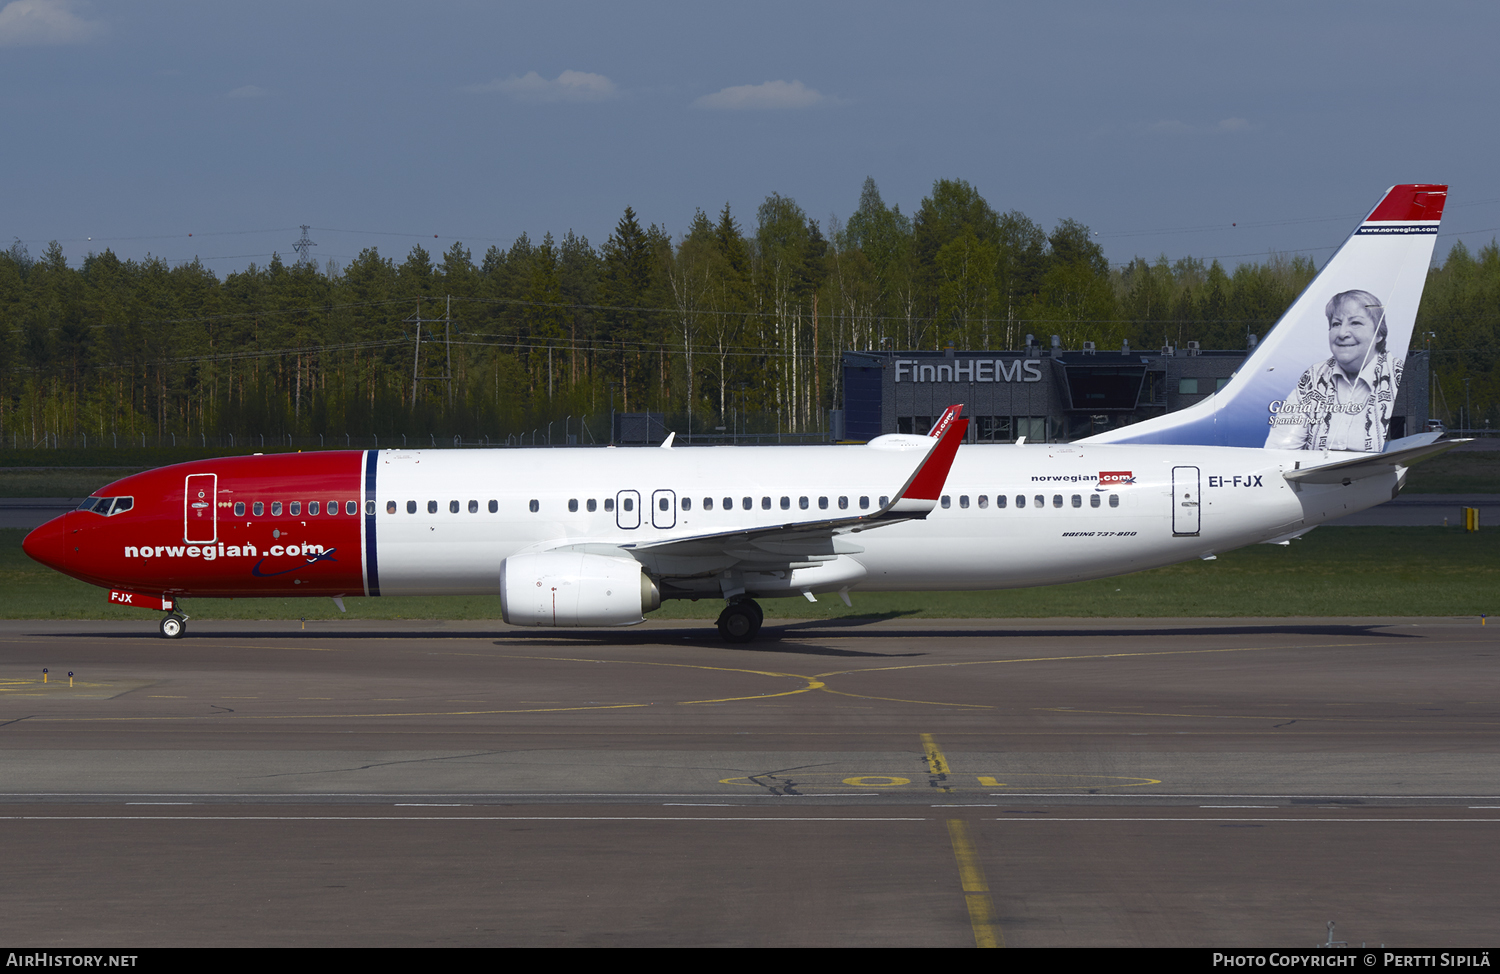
(730, 318)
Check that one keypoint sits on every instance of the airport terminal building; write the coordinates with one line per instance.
(1056, 395)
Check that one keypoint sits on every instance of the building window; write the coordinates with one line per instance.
(1220, 383)
(1187, 387)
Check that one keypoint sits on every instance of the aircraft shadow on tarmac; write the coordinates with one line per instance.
(783, 638)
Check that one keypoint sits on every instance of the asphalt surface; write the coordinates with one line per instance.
(1054, 782)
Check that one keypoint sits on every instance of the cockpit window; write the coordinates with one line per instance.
(106, 505)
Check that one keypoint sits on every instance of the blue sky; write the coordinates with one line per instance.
(391, 124)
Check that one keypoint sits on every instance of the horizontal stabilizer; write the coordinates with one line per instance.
(1358, 468)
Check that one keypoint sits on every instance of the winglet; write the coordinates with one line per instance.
(920, 495)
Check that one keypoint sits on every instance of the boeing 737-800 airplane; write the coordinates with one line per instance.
(601, 537)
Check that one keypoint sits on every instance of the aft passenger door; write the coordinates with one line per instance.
(628, 509)
(1186, 509)
(200, 509)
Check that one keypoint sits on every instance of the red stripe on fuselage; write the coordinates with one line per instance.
(144, 549)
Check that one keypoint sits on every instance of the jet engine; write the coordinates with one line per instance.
(575, 588)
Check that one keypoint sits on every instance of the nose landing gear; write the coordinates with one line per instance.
(740, 621)
(174, 625)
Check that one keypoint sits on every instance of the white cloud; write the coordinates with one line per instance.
(28, 22)
(1233, 125)
(769, 95)
(571, 85)
(249, 91)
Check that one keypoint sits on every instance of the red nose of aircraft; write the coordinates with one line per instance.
(48, 544)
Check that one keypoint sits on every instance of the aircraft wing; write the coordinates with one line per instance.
(809, 542)
(1369, 465)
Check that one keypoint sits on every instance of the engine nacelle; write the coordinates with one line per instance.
(574, 588)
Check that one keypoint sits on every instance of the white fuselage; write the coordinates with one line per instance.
(1156, 505)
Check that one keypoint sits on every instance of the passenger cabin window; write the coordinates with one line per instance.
(276, 508)
(592, 505)
(884, 500)
(432, 507)
(708, 503)
(864, 503)
(1114, 500)
(687, 503)
(945, 501)
(983, 502)
(609, 504)
(351, 508)
(1039, 500)
(572, 505)
(746, 503)
(843, 503)
(474, 506)
(312, 508)
(822, 503)
(494, 507)
(1077, 500)
(333, 508)
(963, 501)
(1020, 500)
(390, 507)
(369, 507)
(1093, 500)
(535, 505)
(786, 503)
(239, 508)
(1057, 500)
(765, 503)
(296, 508)
(411, 507)
(664, 504)
(1000, 500)
(453, 507)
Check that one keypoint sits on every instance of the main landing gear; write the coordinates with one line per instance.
(740, 621)
(174, 625)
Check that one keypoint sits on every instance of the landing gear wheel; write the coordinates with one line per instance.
(740, 621)
(173, 626)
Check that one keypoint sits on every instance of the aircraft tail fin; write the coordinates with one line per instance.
(1326, 376)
